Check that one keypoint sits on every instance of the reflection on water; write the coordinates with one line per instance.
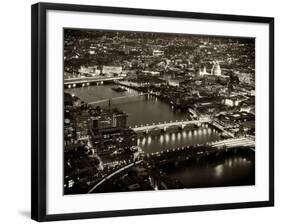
(141, 110)
(147, 110)
(93, 93)
(227, 170)
(177, 138)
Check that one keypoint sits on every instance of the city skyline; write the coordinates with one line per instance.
(156, 111)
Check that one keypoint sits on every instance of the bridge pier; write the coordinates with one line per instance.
(181, 127)
(197, 124)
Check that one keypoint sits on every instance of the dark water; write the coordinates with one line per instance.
(92, 93)
(144, 110)
(227, 170)
(141, 110)
(176, 138)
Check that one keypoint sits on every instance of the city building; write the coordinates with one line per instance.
(204, 82)
(174, 82)
(216, 70)
(157, 53)
(108, 140)
(203, 71)
(119, 119)
(246, 78)
(89, 70)
(111, 70)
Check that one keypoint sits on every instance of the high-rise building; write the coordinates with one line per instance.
(119, 120)
(95, 124)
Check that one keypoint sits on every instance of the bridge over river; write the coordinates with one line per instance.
(74, 82)
(114, 174)
(234, 142)
(217, 145)
(165, 125)
(180, 154)
(118, 98)
(181, 124)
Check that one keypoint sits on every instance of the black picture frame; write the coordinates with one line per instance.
(38, 108)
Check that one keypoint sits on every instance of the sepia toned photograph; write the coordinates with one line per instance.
(150, 111)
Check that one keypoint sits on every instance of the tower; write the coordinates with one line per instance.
(202, 70)
(216, 70)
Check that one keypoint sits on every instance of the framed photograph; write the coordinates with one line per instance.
(140, 111)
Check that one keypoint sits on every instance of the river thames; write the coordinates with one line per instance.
(141, 110)
(229, 170)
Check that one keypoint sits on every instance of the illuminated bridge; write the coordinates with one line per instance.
(203, 149)
(114, 99)
(183, 154)
(182, 124)
(219, 125)
(234, 142)
(114, 174)
(165, 125)
(73, 82)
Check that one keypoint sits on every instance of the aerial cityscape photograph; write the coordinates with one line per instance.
(148, 111)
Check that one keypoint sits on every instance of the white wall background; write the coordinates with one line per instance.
(15, 110)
